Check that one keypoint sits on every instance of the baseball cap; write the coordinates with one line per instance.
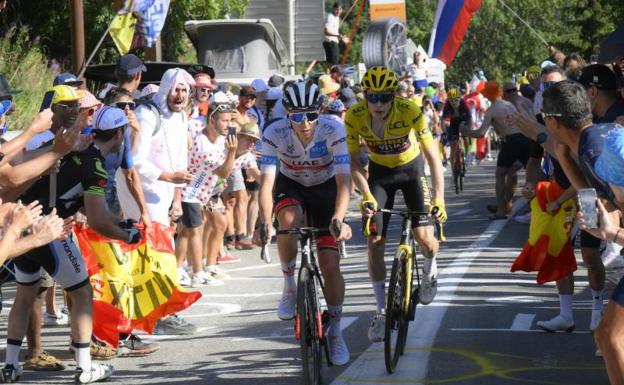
(598, 75)
(510, 86)
(259, 85)
(610, 163)
(547, 63)
(65, 94)
(109, 118)
(250, 129)
(276, 80)
(148, 90)
(203, 80)
(534, 69)
(274, 93)
(247, 91)
(67, 79)
(130, 64)
(5, 106)
(5, 89)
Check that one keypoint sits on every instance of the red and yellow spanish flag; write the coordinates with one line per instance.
(133, 285)
(549, 248)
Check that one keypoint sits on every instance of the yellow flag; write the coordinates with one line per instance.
(122, 31)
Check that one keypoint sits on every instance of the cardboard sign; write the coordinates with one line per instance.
(380, 9)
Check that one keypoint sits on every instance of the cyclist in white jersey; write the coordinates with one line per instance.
(311, 156)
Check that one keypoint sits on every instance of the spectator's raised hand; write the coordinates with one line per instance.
(42, 122)
(132, 120)
(49, 228)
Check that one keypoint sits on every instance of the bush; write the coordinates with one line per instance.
(26, 68)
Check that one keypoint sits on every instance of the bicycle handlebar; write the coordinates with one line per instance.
(408, 213)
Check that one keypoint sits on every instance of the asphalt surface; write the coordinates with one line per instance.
(479, 330)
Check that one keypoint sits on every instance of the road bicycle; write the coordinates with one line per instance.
(403, 292)
(458, 164)
(311, 320)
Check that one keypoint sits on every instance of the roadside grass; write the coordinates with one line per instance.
(24, 65)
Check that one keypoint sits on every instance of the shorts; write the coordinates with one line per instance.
(61, 259)
(250, 186)
(513, 147)
(332, 52)
(535, 150)
(384, 182)
(317, 201)
(235, 182)
(452, 133)
(618, 293)
(191, 215)
(589, 241)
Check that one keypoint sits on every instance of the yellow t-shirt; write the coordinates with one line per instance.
(404, 133)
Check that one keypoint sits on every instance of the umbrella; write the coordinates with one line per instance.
(612, 47)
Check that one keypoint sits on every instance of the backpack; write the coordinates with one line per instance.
(154, 108)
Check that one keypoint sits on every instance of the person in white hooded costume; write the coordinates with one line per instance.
(161, 152)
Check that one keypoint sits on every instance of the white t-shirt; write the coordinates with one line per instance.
(203, 158)
(245, 161)
(332, 25)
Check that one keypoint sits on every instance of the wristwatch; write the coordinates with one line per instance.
(541, 137)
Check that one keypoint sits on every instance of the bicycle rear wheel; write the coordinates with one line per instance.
(396, 319)
(310, 327)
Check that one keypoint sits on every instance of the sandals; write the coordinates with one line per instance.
(43, 362)
(99, 351)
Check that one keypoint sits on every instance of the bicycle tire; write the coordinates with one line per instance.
(307, 310)
(396, 319)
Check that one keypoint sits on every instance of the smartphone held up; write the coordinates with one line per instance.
(587, 205)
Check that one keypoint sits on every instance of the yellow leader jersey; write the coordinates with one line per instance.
(404, 133)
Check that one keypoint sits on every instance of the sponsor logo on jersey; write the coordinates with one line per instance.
(319, 150)
(389, 146)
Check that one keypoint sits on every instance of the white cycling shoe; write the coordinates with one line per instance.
(377, 329)
(98, 372)
(338, 350)
(287, 306)
(557, 324)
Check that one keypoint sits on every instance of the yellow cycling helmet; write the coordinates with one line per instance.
(453, 93)
(379, 79)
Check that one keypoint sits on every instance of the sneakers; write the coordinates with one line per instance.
(204, 279)
(377, 328)
(57, 319)
(338, 351)
(287, 306)
(216, 272)
(225, 259)
(428, 289)
(98, 372)
(596, 316)
(174, 325)
(183, 277)
(11, 374)
(557, 324)
(133, 346)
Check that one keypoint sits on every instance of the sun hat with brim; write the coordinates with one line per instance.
(327, 85)
(109, 118)
(491, 90)
(66, 94)
(88, 100)
(610, 164)
(203, 80)
(5, 88)
(250, 129)
(5, 106)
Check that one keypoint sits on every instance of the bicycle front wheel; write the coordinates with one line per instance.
(309, 323)
(396, 317)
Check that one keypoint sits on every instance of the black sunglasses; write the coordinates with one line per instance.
(123, 105)
(380, 97)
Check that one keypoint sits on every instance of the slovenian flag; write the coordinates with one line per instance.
(451, 22)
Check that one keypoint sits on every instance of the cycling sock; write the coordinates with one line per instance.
(597, 299)
(335, 315)
(12, 352)
(288, 269)
(430, 267)
(380, 295)
(83, 355)
(565, 306)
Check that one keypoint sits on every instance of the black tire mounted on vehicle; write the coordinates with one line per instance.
(385, 44)
(396, 320)
(307, 307)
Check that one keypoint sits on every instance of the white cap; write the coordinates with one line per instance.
(149, 89)
(275, 93)
(108, 118)
(107, 87)
(259, 85)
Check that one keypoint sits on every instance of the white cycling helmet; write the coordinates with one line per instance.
(301, 96)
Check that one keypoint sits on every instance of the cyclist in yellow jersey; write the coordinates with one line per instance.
(397, 135)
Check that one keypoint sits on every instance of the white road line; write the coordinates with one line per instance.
(344, 323)
(429, 320)
(472, 330)
(522, 322)
(459, 212)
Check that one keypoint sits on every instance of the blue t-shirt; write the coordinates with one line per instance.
(589, 149)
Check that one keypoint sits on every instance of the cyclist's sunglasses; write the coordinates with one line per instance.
(299, 117)
(380, 97)
(123, 105)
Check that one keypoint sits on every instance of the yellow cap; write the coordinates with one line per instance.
(523, 80)
(534, 69)
(65, 94)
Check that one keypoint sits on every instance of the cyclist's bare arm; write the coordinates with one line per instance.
(343, 183)
(485, 126)
(435, 166)
(267, 181)
(357, 173)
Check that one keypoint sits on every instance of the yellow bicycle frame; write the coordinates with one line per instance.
(408, 275)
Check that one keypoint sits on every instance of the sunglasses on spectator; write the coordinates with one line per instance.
(123, 105)
(206, 90)
(222, 107)
(549, 115)
(299, 117)
(75, 108)
(380, 97)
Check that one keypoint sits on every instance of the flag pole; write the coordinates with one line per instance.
(525, 23)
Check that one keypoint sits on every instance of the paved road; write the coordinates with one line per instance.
(479, 330)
